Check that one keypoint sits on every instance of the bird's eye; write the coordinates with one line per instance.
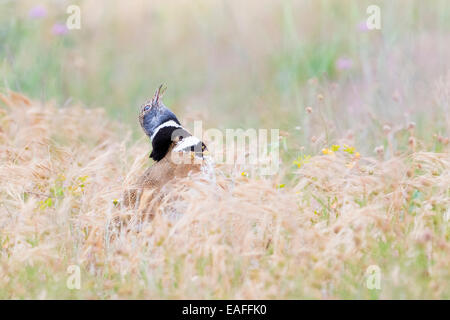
(146, 108)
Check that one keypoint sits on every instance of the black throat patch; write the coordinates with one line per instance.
(164, 138)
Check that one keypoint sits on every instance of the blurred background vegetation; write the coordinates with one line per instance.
(310, 68)
(249, 64)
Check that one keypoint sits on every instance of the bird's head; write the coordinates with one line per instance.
(154, 113)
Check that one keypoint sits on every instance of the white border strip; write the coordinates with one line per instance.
(169, 123)
(185, 143)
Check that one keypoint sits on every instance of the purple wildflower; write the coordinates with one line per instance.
(37, 12)
(362, 26)
(344, 63)
(59, 29)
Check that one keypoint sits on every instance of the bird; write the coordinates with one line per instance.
(176, 153)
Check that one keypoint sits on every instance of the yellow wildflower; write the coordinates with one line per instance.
(335, 147)
(349, 149)
(301, 160)
(83, 178)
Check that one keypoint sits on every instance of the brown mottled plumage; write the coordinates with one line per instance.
(152, 181)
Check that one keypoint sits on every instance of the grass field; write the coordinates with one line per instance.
(363, 185)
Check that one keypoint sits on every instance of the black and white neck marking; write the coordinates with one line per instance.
(167, 124)
(171, 132)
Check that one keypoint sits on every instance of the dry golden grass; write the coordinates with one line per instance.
(62, 169)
